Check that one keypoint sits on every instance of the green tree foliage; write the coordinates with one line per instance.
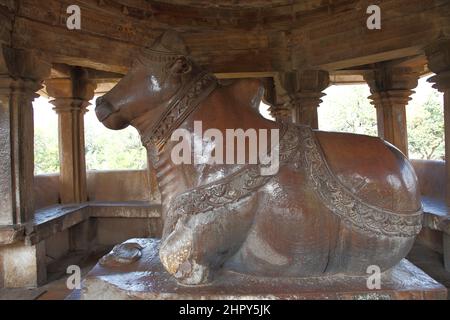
(105, 149)
(426, 128)
(113, 150)
(347, 109)
(46, 153)
(110, 149)
(344, 109)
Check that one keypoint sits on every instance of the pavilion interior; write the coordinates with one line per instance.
(298, 48)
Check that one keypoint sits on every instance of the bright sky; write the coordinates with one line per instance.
(45, 116)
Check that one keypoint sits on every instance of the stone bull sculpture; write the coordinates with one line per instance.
(338, 204)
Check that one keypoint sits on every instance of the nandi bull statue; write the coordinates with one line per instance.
(338, 203)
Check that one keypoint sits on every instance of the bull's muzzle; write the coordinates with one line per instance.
(103, 109)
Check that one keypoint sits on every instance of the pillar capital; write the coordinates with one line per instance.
(276, 97)
(391, 98)
(21, 72)
(281, 110)
(24, 64)
(305, 91)
(438, 54)
(72, 93)
(386, 78)
(310, 81)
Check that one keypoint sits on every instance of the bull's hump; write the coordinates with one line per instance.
(373, 170)
(246, 91)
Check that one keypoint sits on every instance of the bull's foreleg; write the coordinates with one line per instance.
(200, 244)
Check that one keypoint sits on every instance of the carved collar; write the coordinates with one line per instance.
(179, 108)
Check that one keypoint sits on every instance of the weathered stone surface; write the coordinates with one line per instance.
(21, 74)
(304, 89)
(71, 99)
(23, 266)
(49, 221)
(129, 185)
(438, 54)
(268, 38)
(147, 279)
(11, 234)
(124, 186)
(391, 89)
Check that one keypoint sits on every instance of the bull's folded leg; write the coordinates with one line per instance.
(178, 255)
(200, 244)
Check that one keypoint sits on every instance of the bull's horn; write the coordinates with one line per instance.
(170, 42)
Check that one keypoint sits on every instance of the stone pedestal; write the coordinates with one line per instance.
(145, 278)
(23, 265)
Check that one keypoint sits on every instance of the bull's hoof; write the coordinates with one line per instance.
(124, 253)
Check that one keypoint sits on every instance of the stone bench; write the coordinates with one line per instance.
(51, 220)
(437, 217)
(60, 233)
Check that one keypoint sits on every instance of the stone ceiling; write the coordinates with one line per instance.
(228, 37)
(249, 4)
(227, 14)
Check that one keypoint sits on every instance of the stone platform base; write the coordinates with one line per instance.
(146, 279)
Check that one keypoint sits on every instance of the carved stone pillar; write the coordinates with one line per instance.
(21, 75)
(281, 111)
(305, 92)
(391, 89)
(71, 99)
(438, 55)
(278, 100)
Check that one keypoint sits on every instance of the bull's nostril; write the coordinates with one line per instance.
(103, 109)
(98, 101)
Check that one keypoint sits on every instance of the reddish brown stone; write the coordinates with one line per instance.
(147, 279)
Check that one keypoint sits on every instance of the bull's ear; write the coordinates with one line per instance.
(181, 66)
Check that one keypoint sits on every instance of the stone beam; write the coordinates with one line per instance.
(103, 53)
(407, 26)
(109, 39)
(6, 18)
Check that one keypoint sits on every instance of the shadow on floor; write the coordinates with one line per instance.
(431, 262)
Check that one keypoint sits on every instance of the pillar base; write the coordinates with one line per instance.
(23, 266)
(147, 279)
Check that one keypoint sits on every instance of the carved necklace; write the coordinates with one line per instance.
(179, 108)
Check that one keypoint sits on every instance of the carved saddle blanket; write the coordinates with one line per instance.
(299, 146)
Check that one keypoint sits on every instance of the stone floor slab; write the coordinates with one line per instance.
(147, 279)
